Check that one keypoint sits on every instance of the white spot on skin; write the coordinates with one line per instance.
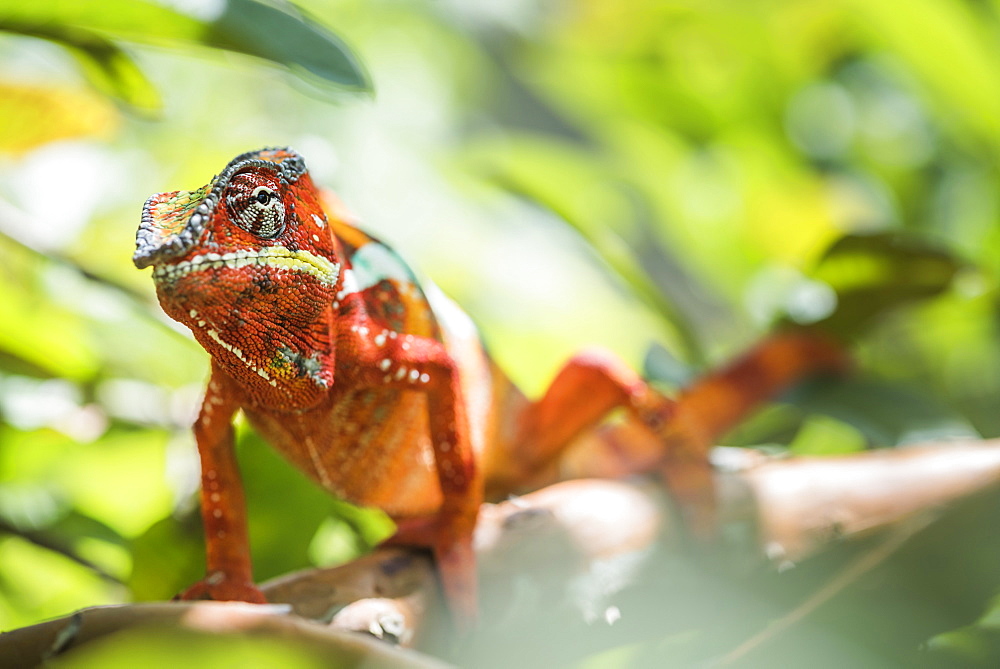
(425, 377)
(239, 354)
(214, 497)
(193, 313)
(217, 513)
(384, 365)
(380, 339)
(444, 447)
(414, 375)
(348, 285)
(315, 238)
(401, 372)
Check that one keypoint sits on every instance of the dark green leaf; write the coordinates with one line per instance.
(110, 69)
(167, 558)
(873, 274)
(287, 37)
(663, 366)
(284, 36)
(887, 414)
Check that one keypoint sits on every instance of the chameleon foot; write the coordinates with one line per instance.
(218, 587)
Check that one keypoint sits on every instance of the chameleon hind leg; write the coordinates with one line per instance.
(677, 434)
(589, 386)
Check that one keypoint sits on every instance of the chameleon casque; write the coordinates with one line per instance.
(375, 385)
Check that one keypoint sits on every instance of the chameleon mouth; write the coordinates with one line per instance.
(174, 222)
(277, 257)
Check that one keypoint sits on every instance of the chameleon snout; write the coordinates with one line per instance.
(171, 224)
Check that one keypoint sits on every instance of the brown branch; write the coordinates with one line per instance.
(31, 646)
(552, 536)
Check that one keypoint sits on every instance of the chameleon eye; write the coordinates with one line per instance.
(259, 212)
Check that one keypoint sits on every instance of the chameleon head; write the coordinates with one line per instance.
(249, 264)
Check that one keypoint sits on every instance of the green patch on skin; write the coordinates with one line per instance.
(288, 363)
(282, 365)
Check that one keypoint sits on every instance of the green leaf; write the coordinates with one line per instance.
(162, 648)
(110, 69)
(822, 435)
(887, 414)
(874, 274)
(284, 36)
(168, 557)
(288, 37)
(38, 335)
(568, 181)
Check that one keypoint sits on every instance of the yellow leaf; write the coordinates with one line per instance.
(34, 115)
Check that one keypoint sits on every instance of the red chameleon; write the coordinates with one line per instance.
(375, 384)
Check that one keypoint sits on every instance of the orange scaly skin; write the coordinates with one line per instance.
(377, 388)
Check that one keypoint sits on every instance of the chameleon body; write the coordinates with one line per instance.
(376, 387)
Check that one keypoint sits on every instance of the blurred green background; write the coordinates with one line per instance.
(573, 172)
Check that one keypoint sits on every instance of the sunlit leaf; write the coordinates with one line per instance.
(962, 68)
(120, 480)
(43, 584)
(566, 180)
(41, 333)
(822, 435)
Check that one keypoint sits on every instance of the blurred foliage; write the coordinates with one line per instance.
(573, 171)
(88, 32)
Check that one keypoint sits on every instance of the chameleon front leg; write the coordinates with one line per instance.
(417, 363)
(229, 575)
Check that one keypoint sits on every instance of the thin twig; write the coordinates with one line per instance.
(44, 540)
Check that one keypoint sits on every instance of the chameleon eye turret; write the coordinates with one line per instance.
(254, 205)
